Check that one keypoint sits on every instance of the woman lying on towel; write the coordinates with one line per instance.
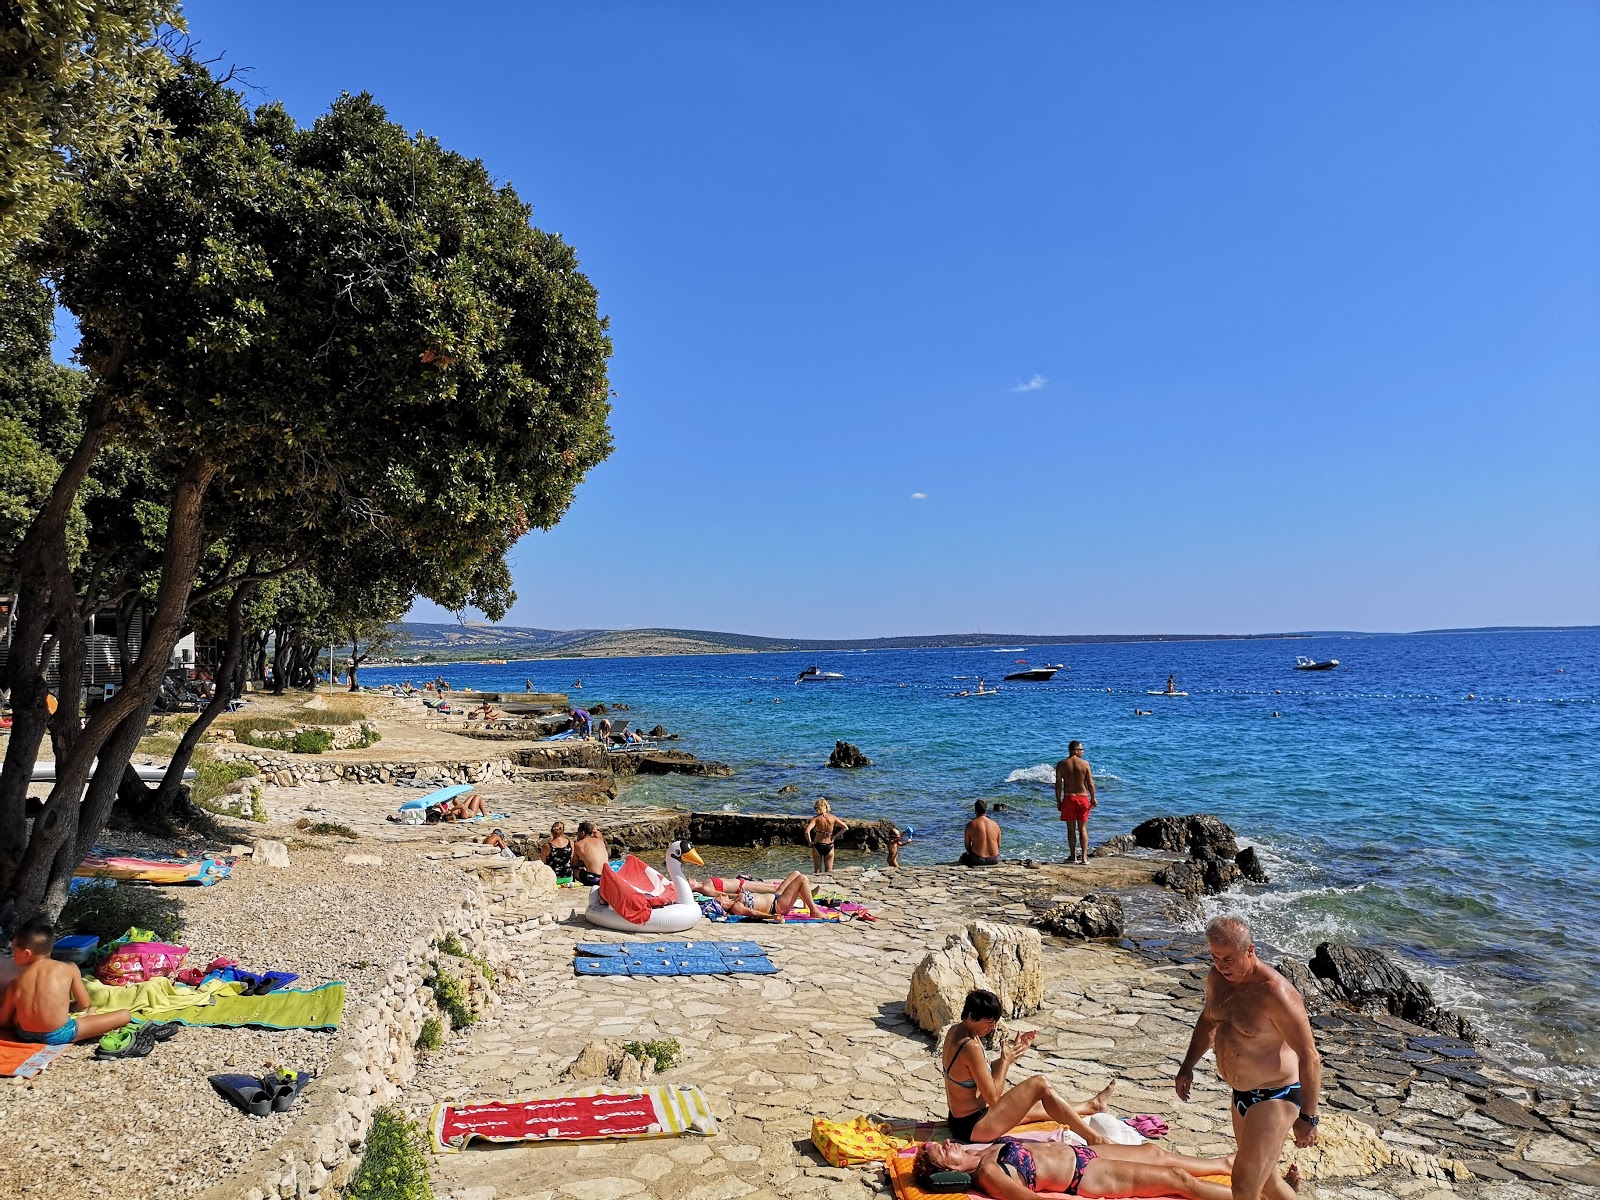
(761, 901)
(981, 1109)
(1015, 1170)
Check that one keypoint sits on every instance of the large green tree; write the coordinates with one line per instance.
(75, 83)
(345, 327)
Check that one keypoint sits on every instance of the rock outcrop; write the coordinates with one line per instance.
(1091, 917)
(1369, 981)
(1004, 959)
(668, 762)
(847, 756)
(1200, 835)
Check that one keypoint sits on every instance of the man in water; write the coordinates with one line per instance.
(982, 838)
(1074, 799)
(1256, 1022)
(589, 854)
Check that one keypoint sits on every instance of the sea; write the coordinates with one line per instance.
(1435, 796)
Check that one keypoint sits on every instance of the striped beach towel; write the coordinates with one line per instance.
(596, 1114)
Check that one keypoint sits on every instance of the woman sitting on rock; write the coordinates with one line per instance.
(1015, 1170)
(981, 1109)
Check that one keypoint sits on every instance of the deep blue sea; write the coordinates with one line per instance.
(1460, 834)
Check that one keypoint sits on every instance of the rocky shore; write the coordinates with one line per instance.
(1411, 1111)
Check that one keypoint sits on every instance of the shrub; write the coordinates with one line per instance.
(258, 807)
(432, 1035)
(302, 741)
(325, 828)
(450, 944)
(108, 911)
(369, 736)
(665, 1052)
(212, 777)
(394, 1165)
(451, 996)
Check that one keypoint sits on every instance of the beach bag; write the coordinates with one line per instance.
(140, 962)
(851, 1143)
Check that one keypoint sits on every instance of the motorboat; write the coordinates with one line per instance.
(1036, 674)
(1304, 662)
(818, 675)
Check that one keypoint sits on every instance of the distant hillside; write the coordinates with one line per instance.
(475, 641)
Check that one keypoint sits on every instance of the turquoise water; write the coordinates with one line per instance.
(1460, 835)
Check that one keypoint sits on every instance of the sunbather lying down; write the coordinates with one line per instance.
(461, 808)
(762, 901)
(1011, 1169)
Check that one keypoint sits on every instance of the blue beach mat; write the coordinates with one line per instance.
(672, 958)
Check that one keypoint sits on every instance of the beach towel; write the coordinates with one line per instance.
(201, 872)
(847, 911)
(907, 1188)
(851, 1143)
(672, 958)
(156, 999)
(22, 1060)
(286, 1008)
(595, 1114)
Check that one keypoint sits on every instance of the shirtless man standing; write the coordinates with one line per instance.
(982, 838)
(589, 854)
(1257, 1023)
(1074, 799)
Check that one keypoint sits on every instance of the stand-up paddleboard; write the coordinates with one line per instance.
(1166, 693)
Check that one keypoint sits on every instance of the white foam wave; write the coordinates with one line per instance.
(1044, 773)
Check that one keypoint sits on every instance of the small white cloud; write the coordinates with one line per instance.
(1036, 384)
(919, 495)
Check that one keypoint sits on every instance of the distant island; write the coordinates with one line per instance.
(473, 641)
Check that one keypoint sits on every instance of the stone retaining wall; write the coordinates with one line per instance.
(287, 770)
(376, 1054)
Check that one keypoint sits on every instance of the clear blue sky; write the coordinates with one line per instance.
(1041, 317)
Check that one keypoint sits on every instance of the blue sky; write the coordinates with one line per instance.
(1047, 318)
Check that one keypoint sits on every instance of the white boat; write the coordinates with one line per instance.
(817, 675)
(44, 771)
(1304, 662)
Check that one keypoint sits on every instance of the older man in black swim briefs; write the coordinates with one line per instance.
(1257, 1023)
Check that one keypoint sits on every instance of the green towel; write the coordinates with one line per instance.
(156, 999)
(319, 1008)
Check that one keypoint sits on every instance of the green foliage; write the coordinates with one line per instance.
(452, 945)
(394, 1161)
(301, 741)
(108, 910)
(432, 1035)
(258, 807)
(212, 777)
(369, 735)
(159, 745)
(665, 1052)
(326, 829)
(451, 996)
(75, 83)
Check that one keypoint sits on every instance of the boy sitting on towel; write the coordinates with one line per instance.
(41, 1001)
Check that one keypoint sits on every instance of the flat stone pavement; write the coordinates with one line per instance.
(828, 1037)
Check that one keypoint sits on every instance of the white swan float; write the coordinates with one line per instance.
(683, 913)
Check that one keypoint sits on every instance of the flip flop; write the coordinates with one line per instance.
(284, 1087)
(244, 1092)
(137, 1043)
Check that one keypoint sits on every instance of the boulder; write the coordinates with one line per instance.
(1369, 981)
(267, 852)
(1013, 959)
(1304, 982)
(1091, 917)
(1187, 878)
(1249, 863)
(1120, 844)
(1200, 834)
(1003, 959)
(660, 731)
(847, 756)
(600, 1059)
(538, 878)
(789, 789)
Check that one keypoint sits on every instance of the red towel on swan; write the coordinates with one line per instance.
(634, 889)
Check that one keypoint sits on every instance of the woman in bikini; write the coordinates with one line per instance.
(1015, 1170)
(821, 832)
(981, 1109)
(755, 900)
(557, 852)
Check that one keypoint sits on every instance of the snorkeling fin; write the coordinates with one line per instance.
(244, 1092)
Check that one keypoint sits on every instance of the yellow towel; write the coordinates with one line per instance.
(157, 999)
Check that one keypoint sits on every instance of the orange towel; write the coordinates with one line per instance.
(23, 1059)
(907, 1188)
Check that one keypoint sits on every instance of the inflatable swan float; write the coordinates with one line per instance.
(638, 890)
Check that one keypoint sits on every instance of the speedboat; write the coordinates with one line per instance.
(1305, 663)
(1036, 674)
(817, 675)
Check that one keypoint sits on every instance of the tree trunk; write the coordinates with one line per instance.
(58, 825)
(226, 678)
(42, 558)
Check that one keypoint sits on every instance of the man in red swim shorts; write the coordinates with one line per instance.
(1074, 799)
